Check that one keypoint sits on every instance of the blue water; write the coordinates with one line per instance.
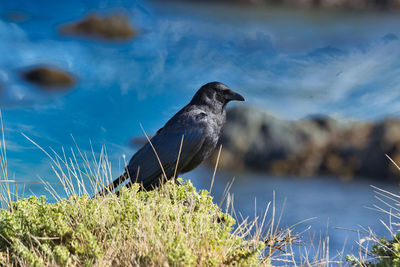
(290, 62)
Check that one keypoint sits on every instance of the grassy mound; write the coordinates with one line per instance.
(172, 226)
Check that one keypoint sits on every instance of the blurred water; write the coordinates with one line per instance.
(291, 62)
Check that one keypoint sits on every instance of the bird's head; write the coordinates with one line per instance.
(215, 94)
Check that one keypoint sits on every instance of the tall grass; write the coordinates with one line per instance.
(5, 190)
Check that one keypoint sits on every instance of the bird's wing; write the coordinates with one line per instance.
(145, 165)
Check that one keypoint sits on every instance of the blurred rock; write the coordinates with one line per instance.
(258, 141)
(114, 27)
(48, 78)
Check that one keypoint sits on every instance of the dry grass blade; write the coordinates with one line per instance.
(391, 160)
(155, 152)
(215, 168)
(179, 155)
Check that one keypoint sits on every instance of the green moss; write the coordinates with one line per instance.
(173, 225)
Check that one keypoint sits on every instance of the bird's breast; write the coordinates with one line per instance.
(214, 127)
(211, 125)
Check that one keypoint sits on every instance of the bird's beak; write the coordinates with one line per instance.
(233, 96)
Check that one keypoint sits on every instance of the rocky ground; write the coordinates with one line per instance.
(258, 141)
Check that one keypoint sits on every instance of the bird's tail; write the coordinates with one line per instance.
(110, 188)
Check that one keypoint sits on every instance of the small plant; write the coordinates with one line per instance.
(387, 251)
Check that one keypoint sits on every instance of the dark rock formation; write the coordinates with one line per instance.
(255, 140)
(48, 78)
(114, 27)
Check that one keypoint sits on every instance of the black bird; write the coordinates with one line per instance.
(198, 127)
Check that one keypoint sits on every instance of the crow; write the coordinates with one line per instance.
(188, 138)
